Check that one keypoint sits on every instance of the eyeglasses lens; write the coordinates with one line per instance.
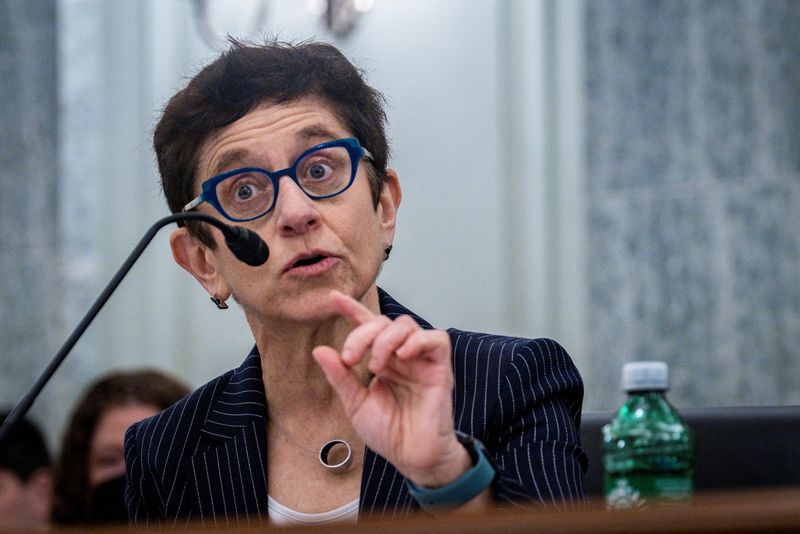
(324, 172)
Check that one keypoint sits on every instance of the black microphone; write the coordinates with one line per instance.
(245, 244)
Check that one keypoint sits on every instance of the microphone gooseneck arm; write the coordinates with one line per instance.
(245, 244)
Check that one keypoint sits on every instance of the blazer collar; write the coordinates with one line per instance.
(227, 475)
(240, 403)
(393, 309)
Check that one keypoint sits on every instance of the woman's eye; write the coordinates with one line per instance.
(245, 188)
(318, 171)
(244, 192)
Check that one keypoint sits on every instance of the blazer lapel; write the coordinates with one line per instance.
(383, 489)
(227, 475)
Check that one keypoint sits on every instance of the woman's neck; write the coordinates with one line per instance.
(293, 381)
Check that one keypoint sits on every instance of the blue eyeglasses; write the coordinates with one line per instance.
(322, 171)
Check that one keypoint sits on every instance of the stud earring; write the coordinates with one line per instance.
(219, 303)
(386, 252)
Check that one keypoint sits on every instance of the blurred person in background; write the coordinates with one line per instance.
(90, 472)
(26, 481)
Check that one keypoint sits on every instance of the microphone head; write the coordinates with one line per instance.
(247, 246)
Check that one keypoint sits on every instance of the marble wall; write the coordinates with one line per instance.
(31, 294)
(693, 167)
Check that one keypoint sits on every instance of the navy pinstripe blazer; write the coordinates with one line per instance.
(204, 458)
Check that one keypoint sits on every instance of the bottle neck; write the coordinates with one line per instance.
(647, 399)
(646, 392)
(647, 404)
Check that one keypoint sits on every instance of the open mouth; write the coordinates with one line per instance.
(308, 261)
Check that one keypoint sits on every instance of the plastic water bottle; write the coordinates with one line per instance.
(648, 451)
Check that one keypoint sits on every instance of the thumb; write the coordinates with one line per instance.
(341, 378)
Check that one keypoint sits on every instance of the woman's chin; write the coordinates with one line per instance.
(305, 307)
(308, 315)
(304, 304)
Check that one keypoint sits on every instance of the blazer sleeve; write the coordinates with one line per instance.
(534, 433)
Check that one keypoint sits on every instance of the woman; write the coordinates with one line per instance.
(348, 404)
(90, 473)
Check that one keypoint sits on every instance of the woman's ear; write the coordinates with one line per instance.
(388, 202)
(199, 260)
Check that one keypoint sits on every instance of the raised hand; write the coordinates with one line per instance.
(405, 412)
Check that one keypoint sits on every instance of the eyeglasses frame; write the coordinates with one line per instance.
(209, 187)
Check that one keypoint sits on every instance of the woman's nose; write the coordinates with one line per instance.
(296, 213)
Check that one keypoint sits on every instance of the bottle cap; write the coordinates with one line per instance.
(644, 376)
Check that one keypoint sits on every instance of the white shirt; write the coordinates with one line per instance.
(281, 515)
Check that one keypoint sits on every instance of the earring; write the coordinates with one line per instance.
(386, 252)
(219, 303)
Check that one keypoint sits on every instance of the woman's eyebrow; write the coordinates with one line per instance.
(315, 134)
(229, 160)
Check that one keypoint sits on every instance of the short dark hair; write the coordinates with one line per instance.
(72, 502)
(247, 75)
(23, 450)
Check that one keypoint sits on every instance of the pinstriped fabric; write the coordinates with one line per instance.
(205, 458)
(522, 398)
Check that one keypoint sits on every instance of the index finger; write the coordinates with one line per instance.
(349, 308)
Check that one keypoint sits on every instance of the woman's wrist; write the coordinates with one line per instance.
(452, 465)
(465, 487)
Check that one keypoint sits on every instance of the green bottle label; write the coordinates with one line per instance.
(639, 490)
